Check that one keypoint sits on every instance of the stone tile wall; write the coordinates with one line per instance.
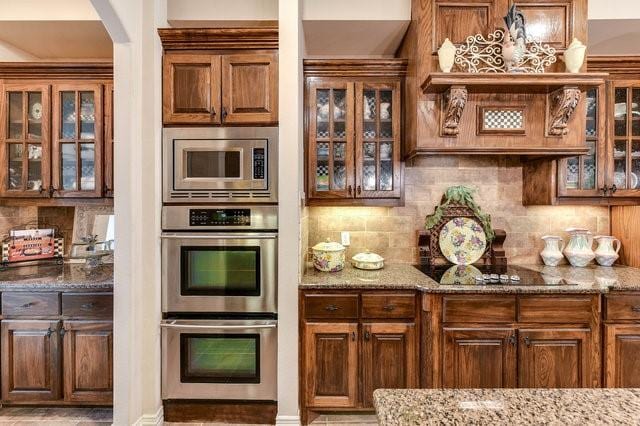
(392, 232)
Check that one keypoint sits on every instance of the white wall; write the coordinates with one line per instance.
(370, 10)
(218, 13)
(614, 9)
(47, 10)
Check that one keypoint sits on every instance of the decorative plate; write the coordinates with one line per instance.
(462, 241)
(460, 275)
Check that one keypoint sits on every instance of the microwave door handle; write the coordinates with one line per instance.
(220, 236)
(216, 327)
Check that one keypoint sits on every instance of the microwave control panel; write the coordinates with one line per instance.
(258, 163)
(219, 217)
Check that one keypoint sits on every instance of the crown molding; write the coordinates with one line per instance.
(392, 67)
(218, 38)
(614, 64)
(56, 70)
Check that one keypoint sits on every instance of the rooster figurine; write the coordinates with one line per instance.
(514, 44)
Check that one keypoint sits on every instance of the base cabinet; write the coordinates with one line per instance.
(30, 360)
(87, 361)
(388, 358)
(479, 358)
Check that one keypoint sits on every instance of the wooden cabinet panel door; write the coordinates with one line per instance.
(88, 361)
(330, 164)
(389, 358)
(554, 358)
(30, 361)
(108, 140)
(331, 360)
(77, 140)
(191, 89)
(622, 356)
(479, 358)
(25, 141)
(250, 89)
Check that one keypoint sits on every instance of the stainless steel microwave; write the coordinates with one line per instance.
(222, 165)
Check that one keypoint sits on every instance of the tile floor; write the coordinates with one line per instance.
(19, 416)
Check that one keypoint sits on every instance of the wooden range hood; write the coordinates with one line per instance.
(457, 113)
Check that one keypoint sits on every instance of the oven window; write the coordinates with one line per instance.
(220, 271)
(213, 164)
(219, 358)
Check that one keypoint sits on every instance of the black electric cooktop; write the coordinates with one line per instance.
(513, 275)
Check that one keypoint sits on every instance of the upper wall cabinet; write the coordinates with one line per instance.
(353, 116)
(220, 76)
(52, 132)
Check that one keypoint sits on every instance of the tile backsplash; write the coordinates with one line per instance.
(392, 231)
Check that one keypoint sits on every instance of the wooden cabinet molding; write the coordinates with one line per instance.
(622, 356)
(219, 38)
(56, 70)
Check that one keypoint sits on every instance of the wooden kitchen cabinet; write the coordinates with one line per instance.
(218, 89)
(331, 364)
(353, 137)
(389, 358)
(88, 363)
(25, 153)
(554, 358)
(108, 141)
(622, 355)
(479, 358)
(30, 360)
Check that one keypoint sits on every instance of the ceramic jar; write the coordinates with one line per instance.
(446, 55)
(574, 56)
(606, 253)
(328, 256)
(578, 251)
(552, 253)
(367, 260)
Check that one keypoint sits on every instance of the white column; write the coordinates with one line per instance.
(137, 134)
(289, 190)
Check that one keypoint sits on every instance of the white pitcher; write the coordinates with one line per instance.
(606, 253)
(552, 253)
(578, 251)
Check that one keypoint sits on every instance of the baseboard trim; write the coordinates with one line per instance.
(287, 420)
(156, 419)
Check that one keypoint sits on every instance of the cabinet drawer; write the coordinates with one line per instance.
(479, 309)
(80, 305)
(331, 306)
(30, 304)
(388, 306)
(554, 309)
(623, 307)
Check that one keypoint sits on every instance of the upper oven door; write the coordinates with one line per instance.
(219, 164)
(219, 273)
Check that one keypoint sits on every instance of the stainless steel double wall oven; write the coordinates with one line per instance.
(219, 263)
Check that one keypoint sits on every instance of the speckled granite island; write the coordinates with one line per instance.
(404, 407)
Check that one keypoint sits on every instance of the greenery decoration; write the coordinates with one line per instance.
(461, 195)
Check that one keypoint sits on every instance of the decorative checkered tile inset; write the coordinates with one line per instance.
(494, 119)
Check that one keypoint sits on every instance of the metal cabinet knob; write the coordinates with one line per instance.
(331, 308)
(635, 308)
(389, 307)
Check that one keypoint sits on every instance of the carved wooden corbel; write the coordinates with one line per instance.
(563, 104)
(454, 100)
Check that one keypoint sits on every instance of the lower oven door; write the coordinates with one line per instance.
(219, 359)
(222, 273)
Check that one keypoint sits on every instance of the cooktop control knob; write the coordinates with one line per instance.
(504, 279)
(495, 278)
(515, 278)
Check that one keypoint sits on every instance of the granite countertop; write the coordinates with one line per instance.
(593, 279)
(70, 276)
(507, 406)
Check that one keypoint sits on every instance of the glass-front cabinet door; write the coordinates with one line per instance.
(584, 176)
(77, 140)
(624, 170)
(330, 140)
(25, 140)
(378, 140)
(108, 140)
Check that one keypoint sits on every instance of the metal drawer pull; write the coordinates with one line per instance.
(219, 236)
(512, 340)
(527, 341)
(367, 335)
(389, 308)
(87, 306)
(635, 308)
(49, 332)
(27, 305)
(353, 336)
(217, 327)
(331, 308)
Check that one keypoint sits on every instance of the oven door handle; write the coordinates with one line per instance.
(220, 236)
(175, 324)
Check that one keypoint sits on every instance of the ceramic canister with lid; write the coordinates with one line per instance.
(328, 256)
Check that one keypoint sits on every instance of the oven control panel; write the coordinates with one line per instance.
(219, 217)
(258, 163)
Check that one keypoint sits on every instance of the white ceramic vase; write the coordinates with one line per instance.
(574, 56)
(446, 55)
(606, 253)
(552, 253)
(578, 251)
